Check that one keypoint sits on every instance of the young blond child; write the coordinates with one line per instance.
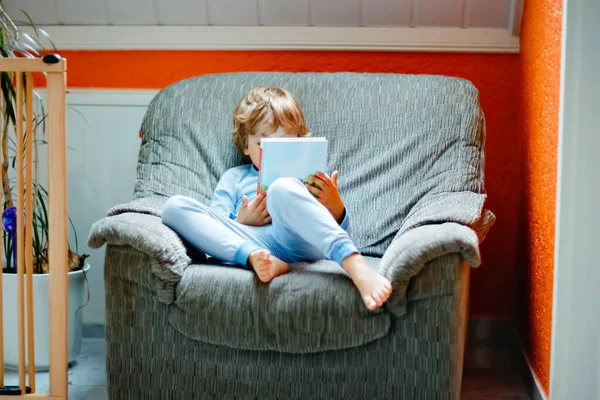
(267, 232)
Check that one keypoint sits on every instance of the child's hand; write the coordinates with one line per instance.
(255, 213)
(327, 193)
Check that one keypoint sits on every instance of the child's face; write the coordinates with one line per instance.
(253, 149)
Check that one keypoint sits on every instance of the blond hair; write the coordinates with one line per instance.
(262, 111)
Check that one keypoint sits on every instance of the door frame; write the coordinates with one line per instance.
(575, 355)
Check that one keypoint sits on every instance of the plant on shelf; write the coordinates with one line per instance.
(14, 42)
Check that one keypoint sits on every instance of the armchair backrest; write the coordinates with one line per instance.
(399, 142)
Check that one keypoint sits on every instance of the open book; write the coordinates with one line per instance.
(290, 158)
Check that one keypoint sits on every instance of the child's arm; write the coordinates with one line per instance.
(224, 198)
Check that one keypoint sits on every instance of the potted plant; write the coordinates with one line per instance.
(15, 43)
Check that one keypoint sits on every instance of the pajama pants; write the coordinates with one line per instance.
(302, 229)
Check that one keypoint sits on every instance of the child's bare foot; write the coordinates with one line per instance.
(374, 288)
(266, 265)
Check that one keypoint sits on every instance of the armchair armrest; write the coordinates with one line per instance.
(147, 234)
(151, 205)
(410, 251)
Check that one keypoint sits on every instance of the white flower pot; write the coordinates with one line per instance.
(41, 322)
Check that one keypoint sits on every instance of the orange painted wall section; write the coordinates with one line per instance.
(540, 94)
(496, 76)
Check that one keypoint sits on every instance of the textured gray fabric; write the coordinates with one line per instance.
(437, 278)
(400, 143)
(411, 251)
(297, 312)
(151, 205)
(420, 358)
(147, 234)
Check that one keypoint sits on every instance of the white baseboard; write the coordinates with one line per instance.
(426, 39)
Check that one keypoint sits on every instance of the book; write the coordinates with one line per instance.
(290, 158)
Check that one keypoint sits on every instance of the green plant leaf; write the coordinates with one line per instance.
(36, 237)
(74, 235)
(9, 93)
(37, 124)
(42, 202)
(32, 40)
(80, 114)
(39, 32)
(32, 24)
(43, 190)
(28, 48)
(41, 227)
(47, 36)
(9, 252)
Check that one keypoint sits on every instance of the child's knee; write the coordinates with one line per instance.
(282, 189)
(176, 206)
(172, 209)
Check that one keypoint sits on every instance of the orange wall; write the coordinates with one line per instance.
(540, 77)
(496, 77)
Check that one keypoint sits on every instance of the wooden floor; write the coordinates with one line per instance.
(491, 367)
(494, 364)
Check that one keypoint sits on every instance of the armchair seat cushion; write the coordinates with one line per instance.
(313, 308)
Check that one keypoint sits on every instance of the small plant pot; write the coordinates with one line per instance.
(41, 323)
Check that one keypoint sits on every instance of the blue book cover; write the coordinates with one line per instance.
(290, 158)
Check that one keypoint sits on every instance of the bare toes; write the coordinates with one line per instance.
(261, 263)
(370, 303)
(377, 299)
(383, 294)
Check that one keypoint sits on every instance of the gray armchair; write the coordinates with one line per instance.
(410, 152)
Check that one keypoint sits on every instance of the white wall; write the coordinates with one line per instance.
(102, 133)
(575, 363)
